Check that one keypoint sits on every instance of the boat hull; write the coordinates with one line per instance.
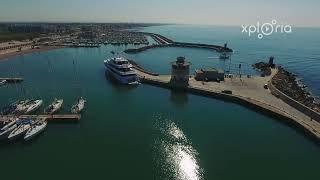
(131, 79)
(5, 133)
(35, 132)
(34, 107)
(54, 108)
(19, 132)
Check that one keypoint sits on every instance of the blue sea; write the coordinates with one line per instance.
(298, 52)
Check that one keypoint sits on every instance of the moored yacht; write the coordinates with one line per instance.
(4, 132)
(33, 106)
(35, 130)
(78, 106)
(21, 106)
(54, 107)
(121, 69)
(22, 128)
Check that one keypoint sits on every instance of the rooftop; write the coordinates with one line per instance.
(209, 69)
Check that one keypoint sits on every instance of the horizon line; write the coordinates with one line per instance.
(123, 22)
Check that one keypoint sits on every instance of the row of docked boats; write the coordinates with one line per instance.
(26, 128)
(29, 128)
(30, 106)
(22, 107)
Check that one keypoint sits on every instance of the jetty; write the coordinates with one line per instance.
(166, 42)
(51, 118)
(12, 80)
(248, 91)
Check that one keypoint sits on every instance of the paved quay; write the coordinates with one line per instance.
(249, 92)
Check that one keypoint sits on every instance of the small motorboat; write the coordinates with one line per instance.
(3, 82)
(54, 107)
(22, 128)
(35, 130)
(34, 106)
(79, 106)
(224, 56)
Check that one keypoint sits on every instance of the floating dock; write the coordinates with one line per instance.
(246, 91)
(58, 117)
(12, 80)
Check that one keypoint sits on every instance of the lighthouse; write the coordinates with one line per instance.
(180, 72)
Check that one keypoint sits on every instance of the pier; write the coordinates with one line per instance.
(12, 80)
(247, 91)
(166, 42)
(52, 118)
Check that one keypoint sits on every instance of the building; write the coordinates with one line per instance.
(14, 45)
(180, 72)
(209, 74)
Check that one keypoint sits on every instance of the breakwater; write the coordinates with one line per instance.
(166, 42)
(292, 102)
(252, 95)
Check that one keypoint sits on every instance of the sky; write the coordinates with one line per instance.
(206, 12)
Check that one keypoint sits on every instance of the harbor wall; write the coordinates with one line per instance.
(297, 105)
(166, 42)
(181, 45)
(255, 105)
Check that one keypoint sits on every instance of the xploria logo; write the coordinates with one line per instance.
(266, 29)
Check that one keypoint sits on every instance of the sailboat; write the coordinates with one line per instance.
(78, 106)
(24, 126)
(33, 106)
(9, 127)
(21, 106)
(35, 130)
(54, 107)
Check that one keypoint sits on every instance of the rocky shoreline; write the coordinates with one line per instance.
(263, 67)
(287, 83)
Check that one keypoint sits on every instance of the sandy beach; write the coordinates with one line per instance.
(6, 55)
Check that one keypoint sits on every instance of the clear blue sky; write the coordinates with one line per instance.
(216, 12)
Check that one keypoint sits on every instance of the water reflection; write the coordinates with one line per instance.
(179, 98)
(175, 157)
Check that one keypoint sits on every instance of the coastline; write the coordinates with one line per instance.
(7, 56)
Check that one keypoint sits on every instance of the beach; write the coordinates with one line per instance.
(7, 54)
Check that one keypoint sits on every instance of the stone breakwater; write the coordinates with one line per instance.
(287, 83)
(263, 67)
(250, 93)
(166, 42)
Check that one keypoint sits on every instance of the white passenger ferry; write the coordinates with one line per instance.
(121, 69)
